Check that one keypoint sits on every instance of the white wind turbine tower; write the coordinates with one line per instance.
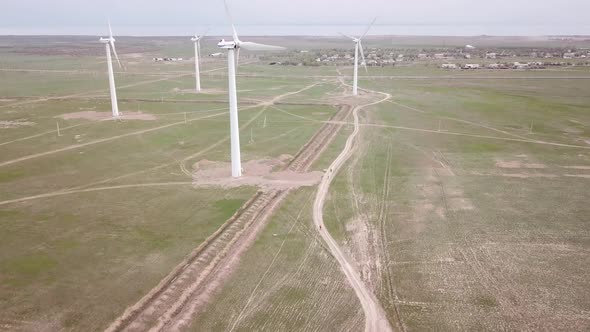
(234, 47)
(358, 47)
(110, 45)
(197, 40)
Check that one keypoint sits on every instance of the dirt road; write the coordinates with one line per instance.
(375, 318)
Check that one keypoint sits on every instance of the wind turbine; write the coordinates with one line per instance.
(358, 47)
(197, 40)
(110, 44)
(233, 55)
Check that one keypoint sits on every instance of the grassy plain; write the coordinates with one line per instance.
(116, 212)
(483, 224)
(456, 213)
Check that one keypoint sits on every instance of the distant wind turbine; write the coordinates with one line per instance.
(358, 47)
(197, 40)
(110, 45)
(233, 55)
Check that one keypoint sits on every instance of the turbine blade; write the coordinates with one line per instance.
(235, 34)
(199, 49)
(116, 55)
(363, 56)
(237, 59)
(250, 46)
(110, 30)
(346, 36)
(368, 28)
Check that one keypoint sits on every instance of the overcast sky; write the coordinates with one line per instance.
(51, 13)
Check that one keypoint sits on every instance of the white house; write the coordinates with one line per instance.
(449, 66)
(471, 66)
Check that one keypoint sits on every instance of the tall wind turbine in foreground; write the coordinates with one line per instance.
(197, 40)
(358, 47)
(110, 44)
(233, 55)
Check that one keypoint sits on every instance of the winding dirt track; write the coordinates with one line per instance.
(375, 318)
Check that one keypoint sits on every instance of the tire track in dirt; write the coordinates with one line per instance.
(476, 136)
(82, 94)
(79, 191)
(90, 123)
(77, 146)
(443, 193)
(375, 318)
(467, 122)
(86, 93)
(390, 286)
(47, 133)
(450, 133)
(241, 314)
(103, 140)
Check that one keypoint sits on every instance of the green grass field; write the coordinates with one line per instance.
(75, 261)
(463, 205)
(483, 225)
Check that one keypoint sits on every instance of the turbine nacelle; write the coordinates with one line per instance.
(111, 42)
(227, 44)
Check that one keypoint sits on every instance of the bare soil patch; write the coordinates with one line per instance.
(577, 167)
(203, 91)
(16, 124)
(518, 164)
(528, 175)
(260, 173)
(365, 256)
(134, 55)
(101, 116)
(585, 176)
(574, 131)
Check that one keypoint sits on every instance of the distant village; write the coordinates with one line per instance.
(459, 58)
(168, 59)
(468, 58)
